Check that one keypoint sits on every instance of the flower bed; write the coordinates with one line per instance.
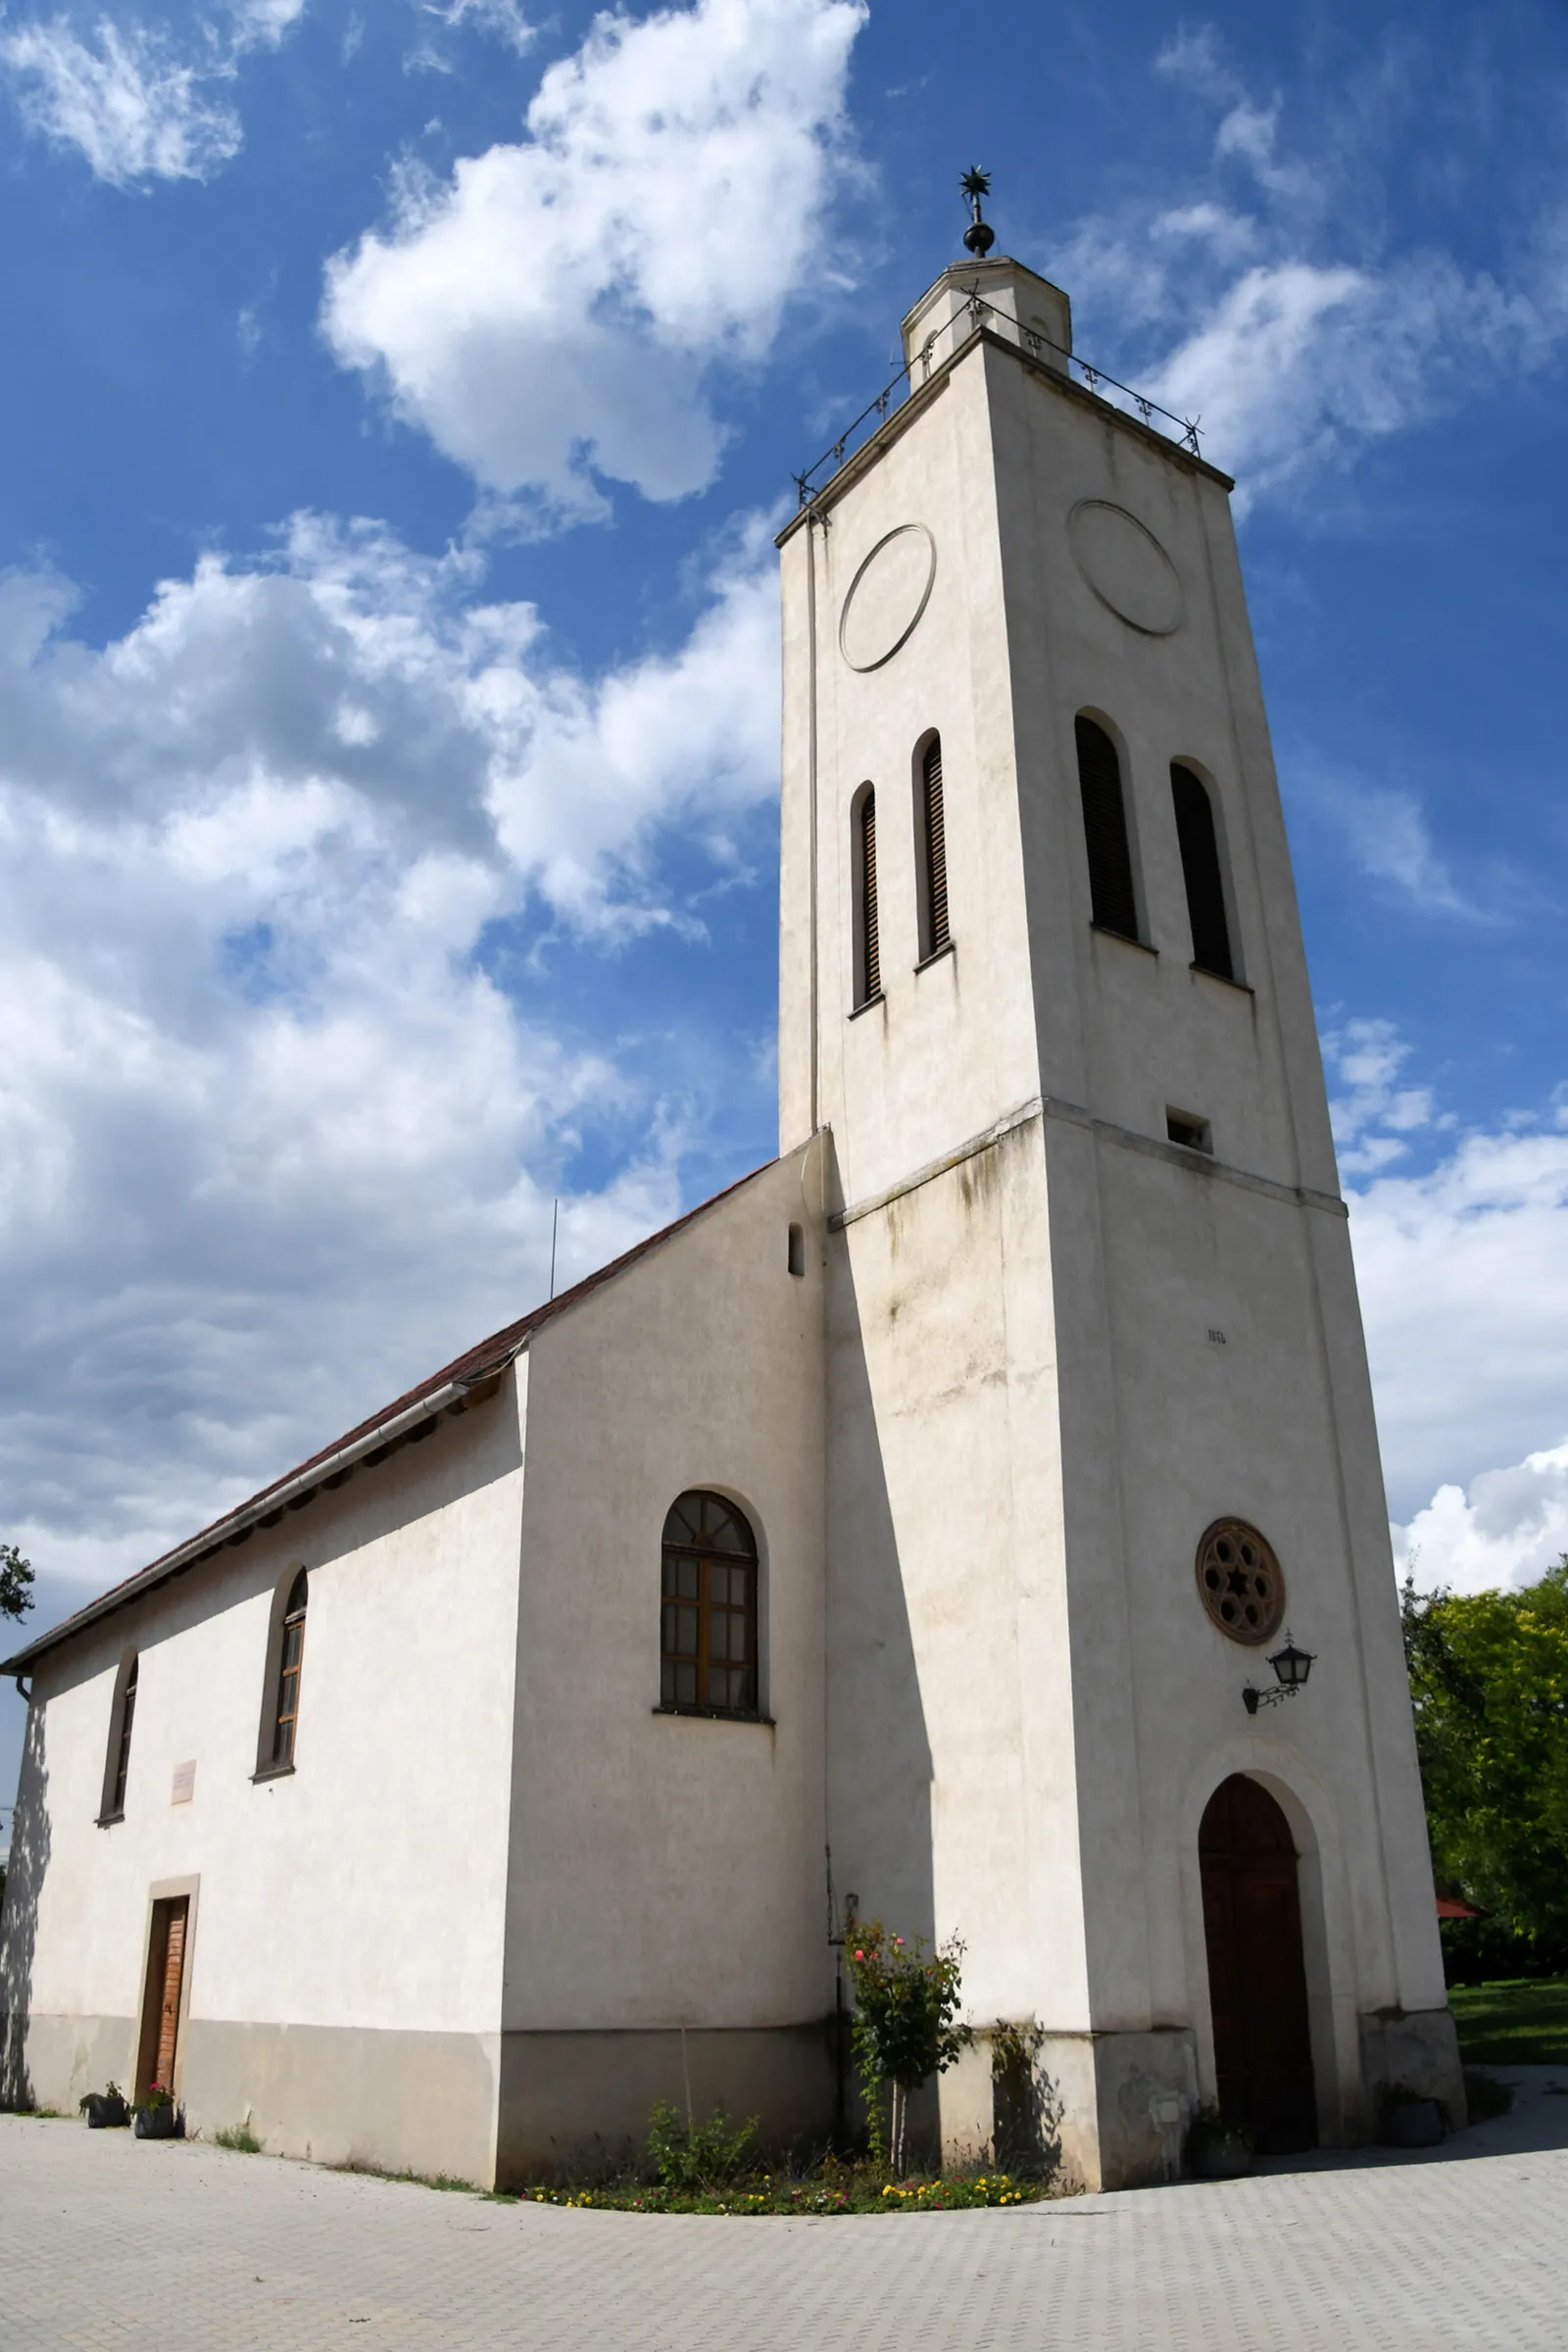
(837, 2188)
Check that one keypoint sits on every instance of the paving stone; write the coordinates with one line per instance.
(107, 2241)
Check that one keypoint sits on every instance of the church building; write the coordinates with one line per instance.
(973, 1518)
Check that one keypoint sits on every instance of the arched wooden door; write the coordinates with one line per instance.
(1257, 1974)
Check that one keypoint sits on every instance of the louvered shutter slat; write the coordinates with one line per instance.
(1110, 865)
(936, 854)
(870, 946)
(1200, 871)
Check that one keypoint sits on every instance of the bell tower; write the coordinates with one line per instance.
(1100, 1429)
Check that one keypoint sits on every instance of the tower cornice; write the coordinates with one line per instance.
(855, 468)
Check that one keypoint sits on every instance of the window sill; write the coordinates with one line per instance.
(107, 1821)
(1206, 972)
(935, 957)
(273, 1772)
(1104, 931)
(869, 1004)
(714, 1715)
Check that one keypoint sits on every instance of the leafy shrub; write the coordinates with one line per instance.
(240, 2137)
(687, 2156)
(904, 2030)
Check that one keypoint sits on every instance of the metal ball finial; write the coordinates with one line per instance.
(979, 236)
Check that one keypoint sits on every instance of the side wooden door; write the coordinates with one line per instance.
(159, 2009)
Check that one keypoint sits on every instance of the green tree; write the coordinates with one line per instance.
(1489, 1683)
(16, 1582)
(904, 2030)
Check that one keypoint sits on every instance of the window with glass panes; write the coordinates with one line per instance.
(708, 1638)
(127, 1716)
(291, 1658)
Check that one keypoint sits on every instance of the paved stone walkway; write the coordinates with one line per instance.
(105, 2240)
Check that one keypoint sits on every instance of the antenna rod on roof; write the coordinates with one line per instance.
(554, 1222)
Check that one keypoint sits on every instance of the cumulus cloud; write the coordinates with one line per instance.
(551, 313)
(1262, 303)
(133, 102)
(1503, 1531)
(272, 1139)
(1374, 1115)
(1464, 1273)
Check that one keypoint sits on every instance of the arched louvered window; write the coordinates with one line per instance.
(931, 842)
(867, 943)
(1112, 899)
(117, 1764)
(290, 1662)
(1201, 870)
(708, 1618)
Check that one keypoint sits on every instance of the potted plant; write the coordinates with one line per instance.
(1411, 2120)
(106, 2110)
(157, 2116)
(1218, 2147)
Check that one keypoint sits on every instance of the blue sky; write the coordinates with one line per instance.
(400, 401)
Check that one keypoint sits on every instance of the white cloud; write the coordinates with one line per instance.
(551, 314)
(1230, 235)
(1463, 1274)
(1268, 309)
(272, 1139)
(124, 100)
(1506, 1531)
(503, 19)
(266, 20)
(1386, 830)
(1373, 1114)
(1194, 55)
(131, 100)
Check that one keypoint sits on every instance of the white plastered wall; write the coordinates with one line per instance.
(668, 1871)
(1146, 1428)
(952, 1801)
(326, 1897)
(1164, 1428)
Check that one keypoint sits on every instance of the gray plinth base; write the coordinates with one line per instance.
(1100, 2110)
(578, 2103)
(1418, 2049)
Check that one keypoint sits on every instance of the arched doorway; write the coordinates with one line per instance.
(1256, 1975)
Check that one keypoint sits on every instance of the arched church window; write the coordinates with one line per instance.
(122, 1715)
(290, 1662)
(708, 1618)
(931, 845)
(1200, 871)
(867, 943)
(1113, 900)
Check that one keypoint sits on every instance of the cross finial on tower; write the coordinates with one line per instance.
(979, 236)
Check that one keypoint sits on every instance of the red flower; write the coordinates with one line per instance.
(859, 1955)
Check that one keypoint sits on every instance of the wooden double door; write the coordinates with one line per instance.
(1256, 1969)
(166, 1953)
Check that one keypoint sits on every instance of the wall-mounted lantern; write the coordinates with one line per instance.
(1291, 1666)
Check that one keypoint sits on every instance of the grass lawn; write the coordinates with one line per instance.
(1519, 2021)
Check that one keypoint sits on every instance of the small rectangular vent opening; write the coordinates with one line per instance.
(796, 1249)
(1194, 1133)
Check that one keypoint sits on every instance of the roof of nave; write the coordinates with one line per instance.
(457, 1384)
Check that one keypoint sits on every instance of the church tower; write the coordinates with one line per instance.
(1100, 1429)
